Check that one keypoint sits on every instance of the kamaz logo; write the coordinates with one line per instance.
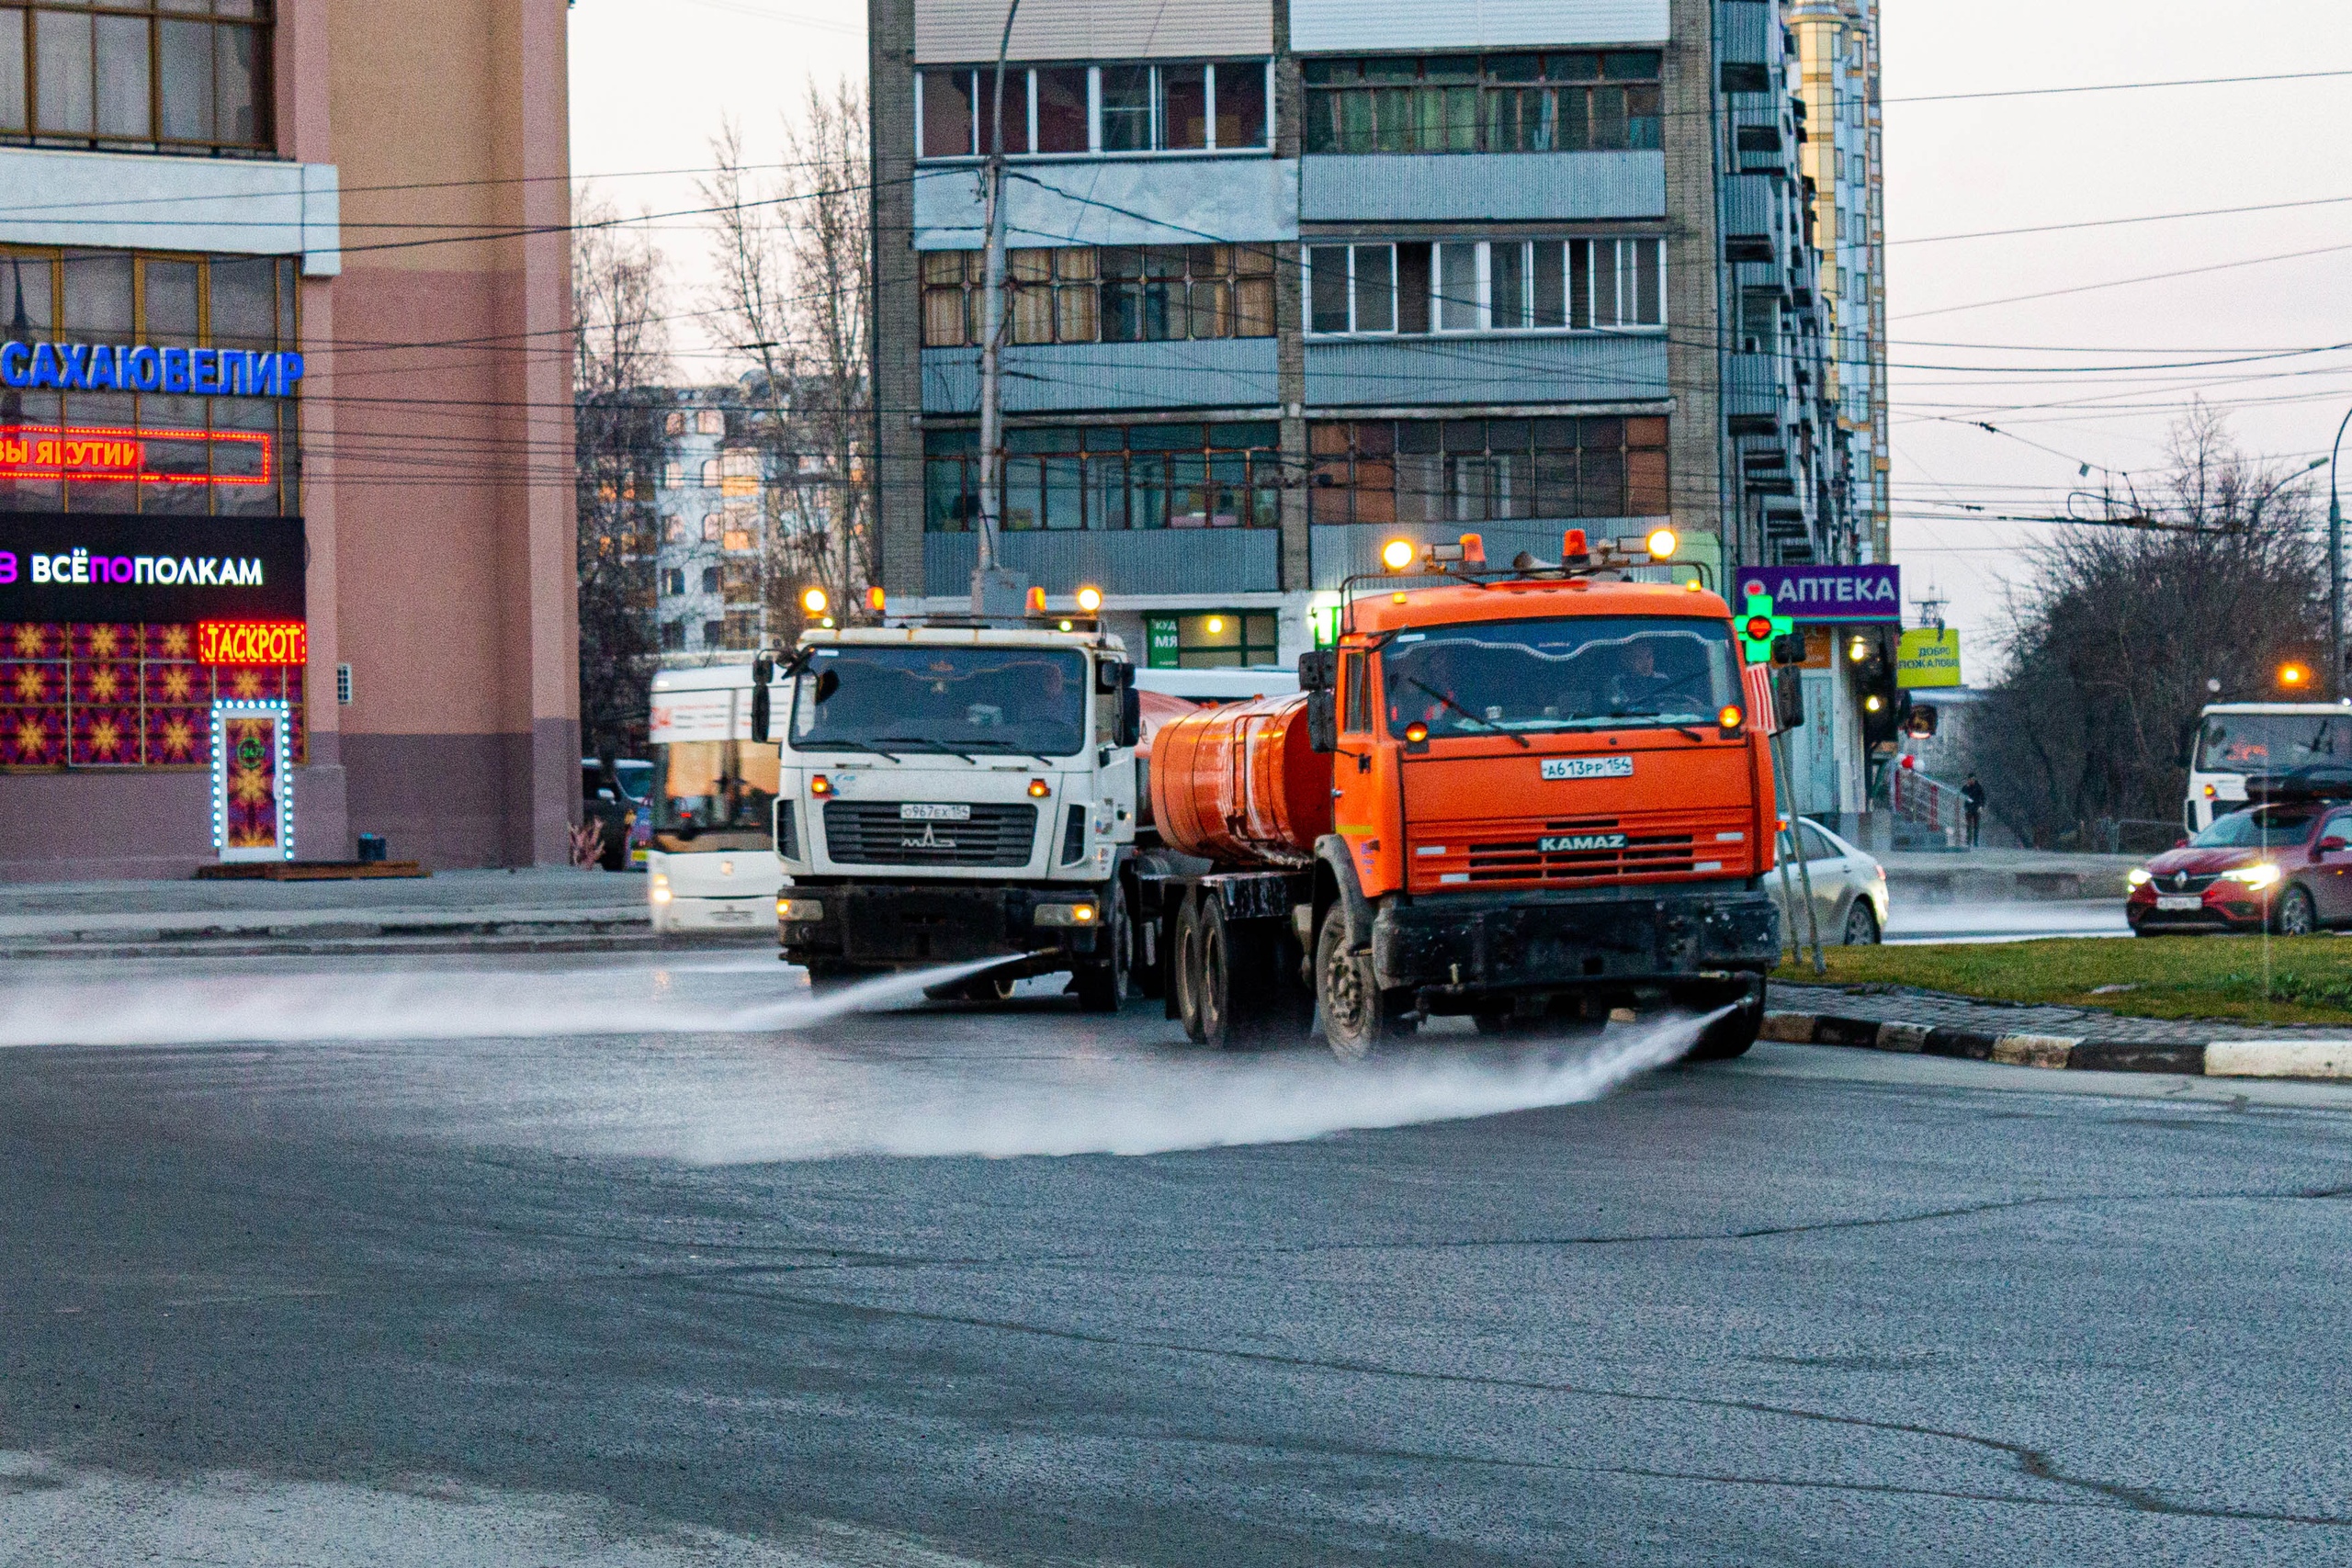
(1575, 841)
(930, 840)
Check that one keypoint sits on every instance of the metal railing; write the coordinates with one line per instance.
(1931, 803)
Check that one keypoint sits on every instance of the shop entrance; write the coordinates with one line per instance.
(252, 784)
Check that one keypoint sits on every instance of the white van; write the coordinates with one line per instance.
(712, 865)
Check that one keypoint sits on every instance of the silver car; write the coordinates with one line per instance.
(1848, 890)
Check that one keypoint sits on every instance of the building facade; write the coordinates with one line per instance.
(1291, 277)
(286, 493)
(1843, 176)
(710, 591)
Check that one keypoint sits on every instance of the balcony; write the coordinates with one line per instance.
(1598, 367)
(1481, 188)
(1055, 377)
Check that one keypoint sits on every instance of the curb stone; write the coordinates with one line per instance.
(2323, 1059)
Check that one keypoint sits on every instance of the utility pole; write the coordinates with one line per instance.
(2336, 571)
(995, 591)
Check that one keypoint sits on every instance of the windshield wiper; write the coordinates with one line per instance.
(1011, 750)
(917, 743)
(1488, 722)
(843, 746)
(1678, 726)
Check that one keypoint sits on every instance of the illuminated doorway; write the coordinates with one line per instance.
(252, 782)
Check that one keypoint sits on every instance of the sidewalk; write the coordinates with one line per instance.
(2001, 876)
(539, 908)
(1891, 1004)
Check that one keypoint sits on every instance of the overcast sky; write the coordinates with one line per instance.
(651, 81)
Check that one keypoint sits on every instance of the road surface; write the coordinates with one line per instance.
(669, 1264)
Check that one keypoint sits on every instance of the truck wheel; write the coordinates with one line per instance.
(1102, 986)
(1184, 970)
(1355, 1015)
(1234, 1002)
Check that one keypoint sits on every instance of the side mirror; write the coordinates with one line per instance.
(2180, 843)
(1319, 670)
(763, 673)
(1788, 649)
(1108, 676)
(1787, 696)
(2332, 844)
(1322, 720)
(1130, 731)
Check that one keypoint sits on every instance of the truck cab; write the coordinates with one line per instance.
(957, 790)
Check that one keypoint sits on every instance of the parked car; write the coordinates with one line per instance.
(1848, 890)
(612, 802)
(2288, 865)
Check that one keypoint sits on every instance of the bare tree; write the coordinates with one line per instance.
(620, 361)
(2114, 641)
(795, 292)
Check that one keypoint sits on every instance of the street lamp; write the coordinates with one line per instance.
(2336, 571)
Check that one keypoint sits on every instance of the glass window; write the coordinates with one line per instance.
(62, 73)
(2261, 826)
(947, 118)
(1062, 112)
(15, 103)
(1459, 302)
(1376, 288)
(1185, 106)
(1213, 639)
(1017, 701)
(1242, 104)
(140, 74)
(713, 795)
(1502, 103)
(1126, 108)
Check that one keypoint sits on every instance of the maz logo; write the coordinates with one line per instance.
(1581, 842)
(930, 840)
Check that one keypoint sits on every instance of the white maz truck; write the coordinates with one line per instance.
(952, 791)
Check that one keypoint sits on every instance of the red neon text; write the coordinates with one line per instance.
(68, 452)
(252, 642)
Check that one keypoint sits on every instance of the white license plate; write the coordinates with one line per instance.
(1587, 767)
(731, 916)
(2181, 901)
(915, 812)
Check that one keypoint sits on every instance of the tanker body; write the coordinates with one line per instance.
(1530, 797)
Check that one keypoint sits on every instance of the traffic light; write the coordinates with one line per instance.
(1759, 625)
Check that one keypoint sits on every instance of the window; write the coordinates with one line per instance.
(712, 524)
(1576, 101)
(739, 580)
(1486, 285)
(736, 539)
(674, 581)
(710, 579)
(710, 474)
(710, 421)
(1116, 294)
(1384, 472)
(1355, 679)
(674, 423)
(673, 636)
(156, 76)
(1215, 106)
(226, 455)
(1110, 477)
(673, 475)
(714, 634)
(1214, 639)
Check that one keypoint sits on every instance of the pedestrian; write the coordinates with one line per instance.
(1972, 797)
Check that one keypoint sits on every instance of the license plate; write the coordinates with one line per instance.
(1575, 841)
(2181, 901)
(1587, 767)
(913, 812)
(731, 916)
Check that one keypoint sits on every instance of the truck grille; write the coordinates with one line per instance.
(863, 832)
(1574, 850)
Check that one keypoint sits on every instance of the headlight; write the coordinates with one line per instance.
(1064, 915)
(2137, 876)
(658, 888)
(2255, 876)
(804, 910)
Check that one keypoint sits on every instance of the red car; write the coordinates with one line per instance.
(2288, 865)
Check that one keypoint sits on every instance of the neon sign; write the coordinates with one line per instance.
(113, 367)
(252, 642)
(77, 452)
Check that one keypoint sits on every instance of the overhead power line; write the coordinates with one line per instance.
(2118, 86)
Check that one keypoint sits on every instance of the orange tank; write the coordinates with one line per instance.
(1238, 785)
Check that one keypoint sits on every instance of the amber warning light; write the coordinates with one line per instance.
(252, 642)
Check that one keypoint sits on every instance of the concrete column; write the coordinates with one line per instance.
(1696, 457)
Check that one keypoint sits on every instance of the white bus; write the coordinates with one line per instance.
(2237, 740)
(712, 866)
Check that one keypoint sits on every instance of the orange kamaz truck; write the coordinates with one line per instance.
(1531, 795)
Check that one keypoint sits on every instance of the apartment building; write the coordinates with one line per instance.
(287, 544)
(1843, 177)
(1291, 277)
(715, 507)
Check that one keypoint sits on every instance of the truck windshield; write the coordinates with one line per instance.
(917, 698)
(715, 794)
(2272, 742)
(2263, 825)
(1603, 673)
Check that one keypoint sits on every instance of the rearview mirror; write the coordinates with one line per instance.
(762, 672)
(1787, 696)
(1130, 708)
(2332, 844)
(1319, 670)
(1322, 720)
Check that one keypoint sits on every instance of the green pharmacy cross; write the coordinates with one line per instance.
(1758, 627)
